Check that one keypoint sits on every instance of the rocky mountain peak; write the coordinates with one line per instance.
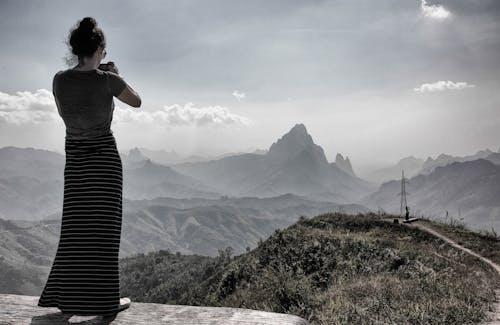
(344, 164)
(292, 142)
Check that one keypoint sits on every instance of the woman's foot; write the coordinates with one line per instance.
(124, 304)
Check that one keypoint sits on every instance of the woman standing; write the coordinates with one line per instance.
(84, 278)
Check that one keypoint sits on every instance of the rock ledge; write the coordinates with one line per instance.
(20, 309)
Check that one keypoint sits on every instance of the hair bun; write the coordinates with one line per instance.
(86, 37)
(87, 24)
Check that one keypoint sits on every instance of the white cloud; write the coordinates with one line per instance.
(39, 106)
(443, 85)
(182, 115)
(434, 11)
(239, 95)
(25, 107)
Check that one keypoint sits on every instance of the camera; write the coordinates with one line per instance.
(106, 66)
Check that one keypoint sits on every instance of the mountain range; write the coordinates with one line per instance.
(31, 180)
(414, 166)
(293, 164)
(189, 226)
(468, 190)
(207, 204)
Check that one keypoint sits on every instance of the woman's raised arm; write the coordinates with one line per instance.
(130, 96)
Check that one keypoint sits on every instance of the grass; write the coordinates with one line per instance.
(484, 242)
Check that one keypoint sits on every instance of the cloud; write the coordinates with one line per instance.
(39, 106)
(25, 107)
(443, 85)
(182, 115)
(434, 11)
(239, 95)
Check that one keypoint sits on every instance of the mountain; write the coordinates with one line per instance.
(189, 226)
(134, 159)
(32, 182)
(29, 198)
(196, 225)
(29, 162)
(410, 165)
(444, 159)
(344, 164)
(468, 189)
(172, 157)
(414, 166)
(293, 164)
(26, 254)
(154, 180)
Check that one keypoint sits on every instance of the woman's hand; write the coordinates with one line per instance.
(110, 66)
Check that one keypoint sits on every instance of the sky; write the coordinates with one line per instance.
(374, 80)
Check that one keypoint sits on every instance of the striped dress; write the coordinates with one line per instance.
(84, 278)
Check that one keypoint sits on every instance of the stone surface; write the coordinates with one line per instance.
(20, 309)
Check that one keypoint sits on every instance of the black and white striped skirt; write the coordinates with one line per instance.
(84, 278)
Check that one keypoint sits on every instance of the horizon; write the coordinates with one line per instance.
(361, 169)
(237, 76)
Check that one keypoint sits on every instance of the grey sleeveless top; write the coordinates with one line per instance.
(85, 100)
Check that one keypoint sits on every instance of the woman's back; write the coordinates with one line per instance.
(84, 278)
(85, 100)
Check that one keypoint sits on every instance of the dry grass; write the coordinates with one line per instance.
(485, 243)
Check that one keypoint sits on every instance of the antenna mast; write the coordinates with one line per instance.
(404, 205)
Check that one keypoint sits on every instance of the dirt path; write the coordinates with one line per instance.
(416, 224)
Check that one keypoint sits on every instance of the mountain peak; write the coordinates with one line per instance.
(294, 142)
(344, 164)
(295, 139)
(299, 128)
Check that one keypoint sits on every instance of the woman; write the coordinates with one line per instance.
(84, 278)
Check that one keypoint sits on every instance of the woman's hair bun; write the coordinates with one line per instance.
(87, 24)
(86, 37)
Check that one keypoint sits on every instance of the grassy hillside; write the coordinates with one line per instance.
(486, 243)
(329, 269)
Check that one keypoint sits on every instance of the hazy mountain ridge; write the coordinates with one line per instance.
(154, 180)
(471, 187)
(293, 164)
(189, 226)
(37, 163)
(32, 182)
(444, 159)
(25, 197)
(172, 157)
(410, 165)
(413, 166)
(162, 223)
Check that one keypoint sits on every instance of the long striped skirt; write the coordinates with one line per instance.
(84, 278)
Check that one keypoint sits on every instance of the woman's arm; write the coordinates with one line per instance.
(122, 90)
(130, 96)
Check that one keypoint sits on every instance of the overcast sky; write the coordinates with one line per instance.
(374, 80)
